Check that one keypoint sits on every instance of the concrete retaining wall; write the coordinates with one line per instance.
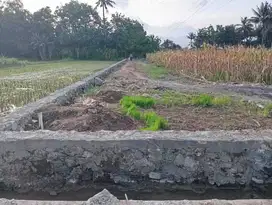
(46, 161)
(17, 119)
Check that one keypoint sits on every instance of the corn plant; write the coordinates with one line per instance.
(236, 64)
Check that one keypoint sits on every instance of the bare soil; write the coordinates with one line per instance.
(99, 110)
(90, 115)
(193, 118)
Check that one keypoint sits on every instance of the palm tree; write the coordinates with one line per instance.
(263, 17)
(191, 36)
(104, 4)
(246, 27)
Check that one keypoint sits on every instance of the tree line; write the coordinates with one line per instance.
(252, 31)
(74, 30)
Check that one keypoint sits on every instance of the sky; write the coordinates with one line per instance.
(171, 14)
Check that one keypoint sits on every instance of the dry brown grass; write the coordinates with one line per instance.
(236, 64)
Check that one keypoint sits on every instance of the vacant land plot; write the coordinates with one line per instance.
(21, 85)
(130, 99)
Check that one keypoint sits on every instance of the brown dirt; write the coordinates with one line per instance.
(193, 118)
(91, 115)
(110, 96)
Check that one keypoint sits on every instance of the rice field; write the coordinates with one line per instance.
(21, 85)
(234, 64)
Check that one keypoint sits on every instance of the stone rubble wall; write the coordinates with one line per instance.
(133, 160)
(16, 120)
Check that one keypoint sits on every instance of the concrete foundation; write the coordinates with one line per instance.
(134, 160)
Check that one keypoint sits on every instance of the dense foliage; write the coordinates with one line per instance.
(253, 31)
(74, 30)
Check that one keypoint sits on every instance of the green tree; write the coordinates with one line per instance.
(191, 36)
(169, 44)
(105, 4)
(245, 28)
(43, 33)
(263, 18)
(15, 29)
(75, 20)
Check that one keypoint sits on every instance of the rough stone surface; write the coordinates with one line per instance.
(60, 161)
(103, 198)
(16, 120)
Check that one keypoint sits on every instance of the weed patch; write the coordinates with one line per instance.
(153, 71)
(204, 100)
(267, 112)
(131, 106)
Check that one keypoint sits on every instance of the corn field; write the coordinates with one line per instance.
(234, 64)
(19, 86)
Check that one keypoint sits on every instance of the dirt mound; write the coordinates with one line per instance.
(110, 96)
(90, 115)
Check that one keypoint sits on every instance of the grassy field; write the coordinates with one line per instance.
(21, 85)
(236, 64)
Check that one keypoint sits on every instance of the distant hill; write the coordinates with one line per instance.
(175, 32)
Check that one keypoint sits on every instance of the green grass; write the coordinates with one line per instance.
(154, 122)
(141, 101)
(56, 66)
(171, 98)
(153, 71)
(267, 112)
(35, 81)
(131, 106)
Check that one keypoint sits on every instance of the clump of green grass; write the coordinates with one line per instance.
(221, 101)
(267, 112)
(204, 100)
(154, 122)
(131, 105)
(141, 101)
